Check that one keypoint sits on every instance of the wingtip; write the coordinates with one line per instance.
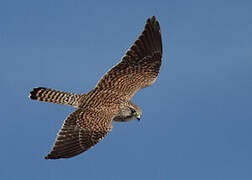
(152, 19)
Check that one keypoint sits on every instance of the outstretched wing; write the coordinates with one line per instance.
(80, 131)
(140, 66)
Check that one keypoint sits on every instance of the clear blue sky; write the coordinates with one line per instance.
(197, 117)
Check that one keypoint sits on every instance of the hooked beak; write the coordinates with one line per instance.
(138, 117)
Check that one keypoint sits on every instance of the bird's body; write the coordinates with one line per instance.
(110, 100)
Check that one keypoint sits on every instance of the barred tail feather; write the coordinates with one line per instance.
(53, 96)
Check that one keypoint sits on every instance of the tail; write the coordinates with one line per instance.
(53, 96)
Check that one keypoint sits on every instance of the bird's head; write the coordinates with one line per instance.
(136, 112)
(128, 111)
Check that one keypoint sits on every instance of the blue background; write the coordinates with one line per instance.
(197, 117)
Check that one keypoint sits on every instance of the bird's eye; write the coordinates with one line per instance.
(133, 111)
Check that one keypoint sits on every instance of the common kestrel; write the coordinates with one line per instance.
(110, 100)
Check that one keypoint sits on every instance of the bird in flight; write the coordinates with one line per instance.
(110, 100)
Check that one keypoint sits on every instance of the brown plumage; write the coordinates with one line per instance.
(110, 99)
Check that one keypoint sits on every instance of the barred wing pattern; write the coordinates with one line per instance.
(78, 133)
(140, 66)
